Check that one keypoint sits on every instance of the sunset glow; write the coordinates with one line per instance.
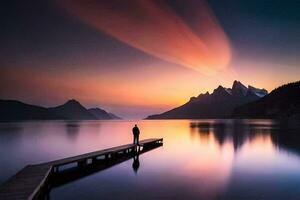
(155, 28)
(149, 99)
(136, 58)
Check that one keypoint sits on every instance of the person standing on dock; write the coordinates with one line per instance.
(136, 133)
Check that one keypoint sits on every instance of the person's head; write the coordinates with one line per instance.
(135, 125)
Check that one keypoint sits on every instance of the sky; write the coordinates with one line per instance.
(136, 58)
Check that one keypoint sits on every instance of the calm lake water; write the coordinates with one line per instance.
(205, 159)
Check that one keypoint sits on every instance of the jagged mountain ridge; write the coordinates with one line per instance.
(219, 104)
(283, 102)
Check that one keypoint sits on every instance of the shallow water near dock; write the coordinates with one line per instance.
(200, 159)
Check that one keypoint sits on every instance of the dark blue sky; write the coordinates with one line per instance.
(268, 28)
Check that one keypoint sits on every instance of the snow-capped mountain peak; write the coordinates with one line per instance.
(258, 92)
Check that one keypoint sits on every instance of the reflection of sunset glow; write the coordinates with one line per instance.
(259, 150)
(197, 158)
(153, 27)
(191, 161)
(208, 161)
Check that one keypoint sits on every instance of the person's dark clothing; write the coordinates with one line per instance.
(136, 133)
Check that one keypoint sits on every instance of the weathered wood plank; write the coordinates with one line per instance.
(24, 183)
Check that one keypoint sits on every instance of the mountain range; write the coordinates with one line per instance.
(71, 110)
(283, 102)
(238, 101)
(220, 104)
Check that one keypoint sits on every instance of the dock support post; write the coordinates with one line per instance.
(81, 163)
(55, 169)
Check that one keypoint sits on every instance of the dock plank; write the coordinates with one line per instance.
(99, 153)
(24, 183)
(28, 182)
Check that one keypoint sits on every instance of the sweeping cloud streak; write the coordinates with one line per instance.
(154, 27)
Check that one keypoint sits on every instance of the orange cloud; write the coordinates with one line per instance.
(155, 28)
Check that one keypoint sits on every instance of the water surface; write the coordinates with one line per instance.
(200, 159)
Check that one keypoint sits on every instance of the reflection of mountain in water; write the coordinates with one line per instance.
(222, 132)
(287, 139)
(72, 128)
(238, 132)
(10, 128)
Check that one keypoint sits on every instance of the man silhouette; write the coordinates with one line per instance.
(136, 133)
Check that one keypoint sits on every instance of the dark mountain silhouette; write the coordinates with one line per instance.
(71, 110)
(113, 116)
(16, 110)
(102, 114)
(99, 113)
(283, 102)
(219, 104)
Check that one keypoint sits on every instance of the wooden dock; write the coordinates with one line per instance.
(33, 180)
